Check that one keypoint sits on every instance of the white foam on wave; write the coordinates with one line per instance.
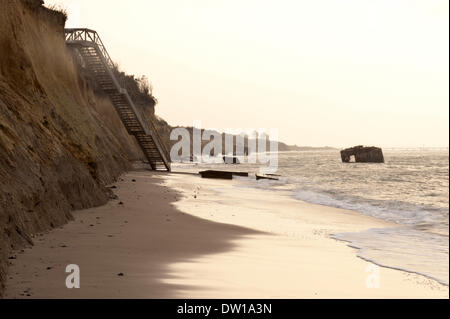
(390, 211)
(395, 193)
(397, 212)
(403, 249)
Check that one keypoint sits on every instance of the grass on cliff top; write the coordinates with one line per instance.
(139, 88)
(58, 9)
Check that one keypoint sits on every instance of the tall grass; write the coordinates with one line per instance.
(58, 8)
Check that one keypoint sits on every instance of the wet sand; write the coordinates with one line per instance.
(180, 236)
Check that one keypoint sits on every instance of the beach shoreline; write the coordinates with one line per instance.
(180, 236)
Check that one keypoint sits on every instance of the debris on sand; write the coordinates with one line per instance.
(222, 174)
(258, 177)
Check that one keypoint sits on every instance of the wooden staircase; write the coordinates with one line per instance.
(95, 58)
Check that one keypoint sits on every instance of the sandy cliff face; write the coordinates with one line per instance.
(60, 144)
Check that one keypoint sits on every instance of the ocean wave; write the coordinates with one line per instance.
(403, 249)
(411, 190)
(393, 211)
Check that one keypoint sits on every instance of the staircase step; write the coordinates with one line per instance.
(97, 64)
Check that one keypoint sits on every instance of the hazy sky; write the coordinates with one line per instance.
(336, 73)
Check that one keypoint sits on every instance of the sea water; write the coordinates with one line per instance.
(411, 189)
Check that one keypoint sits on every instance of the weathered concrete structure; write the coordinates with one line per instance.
(361, 154)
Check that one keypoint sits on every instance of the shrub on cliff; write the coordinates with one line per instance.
(139, 89)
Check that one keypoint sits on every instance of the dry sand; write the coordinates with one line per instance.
(180, 236)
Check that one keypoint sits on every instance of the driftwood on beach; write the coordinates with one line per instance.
(361, 154)
(221, 174)
(268, 176)
(229, 175)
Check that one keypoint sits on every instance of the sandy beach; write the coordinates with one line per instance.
(180, 236)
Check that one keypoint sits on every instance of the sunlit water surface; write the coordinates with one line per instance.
(410, 189)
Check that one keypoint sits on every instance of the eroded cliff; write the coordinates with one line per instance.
(60, 142)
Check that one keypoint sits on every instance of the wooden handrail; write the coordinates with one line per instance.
(90, 38)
